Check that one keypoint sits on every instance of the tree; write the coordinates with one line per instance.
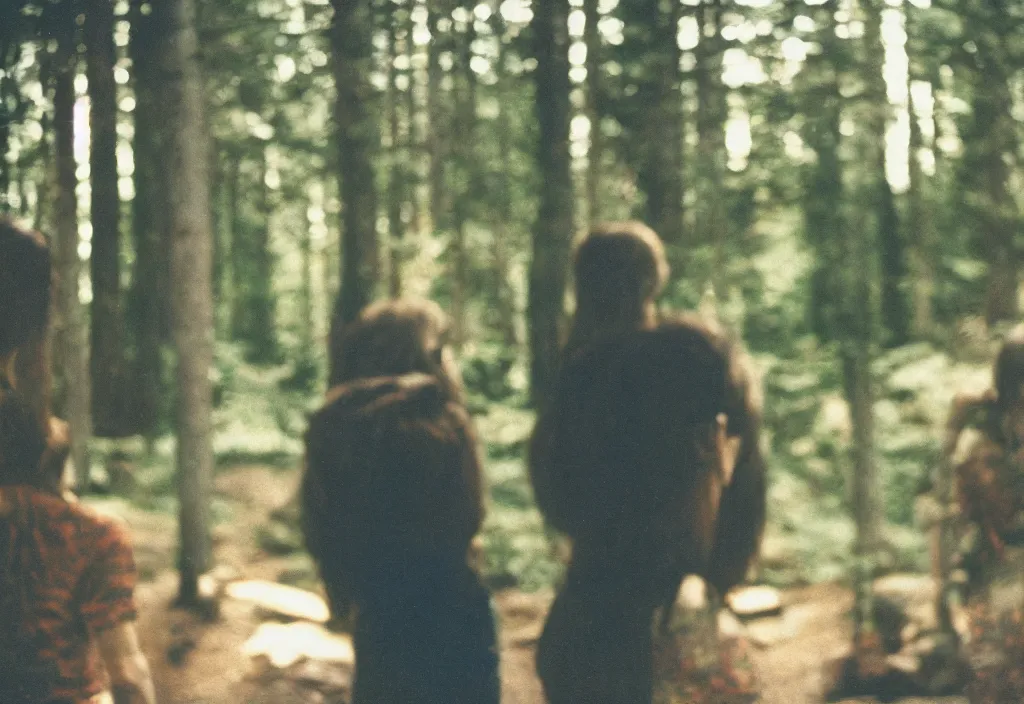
(894, 304)
(991, 145)
(595, 150)
(70, 333)
(921, 260)
(106, 360)
(358, 137)
(506, 319)
(437, 114)
(191, 286)
(464, 174)
(16, 28)
(553, 227)
(147, 304)
(711, 218)
(650, 107)
(399, 157)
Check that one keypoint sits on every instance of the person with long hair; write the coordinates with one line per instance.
(67, 574)
(646, 456)
(392, 500)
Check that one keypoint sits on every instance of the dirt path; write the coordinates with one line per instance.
(202, 663)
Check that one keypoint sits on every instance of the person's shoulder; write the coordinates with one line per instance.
(372, 397)
(104, 530)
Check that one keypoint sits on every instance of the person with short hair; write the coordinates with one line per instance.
(67, 574)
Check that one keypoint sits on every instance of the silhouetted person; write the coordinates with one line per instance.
(391, 502)
(647, 457)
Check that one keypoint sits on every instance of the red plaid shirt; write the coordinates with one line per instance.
(80, 580)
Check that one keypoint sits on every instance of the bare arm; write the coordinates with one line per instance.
(130, 681)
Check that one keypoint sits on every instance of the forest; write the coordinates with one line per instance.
(225, 184)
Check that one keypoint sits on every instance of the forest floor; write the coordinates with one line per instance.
(200, 662)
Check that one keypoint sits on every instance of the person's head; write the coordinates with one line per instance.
(397, 337)
(620, 269)
(1008, 370)
(25, 289)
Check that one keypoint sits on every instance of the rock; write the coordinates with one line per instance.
(284, 644)
(212, 584)
(693, 593)
(754, 602)
(280, 600)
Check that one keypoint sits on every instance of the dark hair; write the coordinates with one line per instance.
(619, 267)
(24, 286)
(25, 283)
(25, 289)
(396, 337)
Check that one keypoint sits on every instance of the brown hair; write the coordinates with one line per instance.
(620, 267)
(395, 337)
(25, 290)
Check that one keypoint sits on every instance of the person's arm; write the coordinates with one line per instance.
(108, 610)
(130, 681)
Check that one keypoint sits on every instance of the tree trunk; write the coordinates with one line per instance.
(464, 159)
(10, 96)
(711, 219)
(857, 326)
(595, 151)
(70, 334)
(45, 185)
(260, 302)
(553, 228)
(891, 245)
(107, 324)
(920, 228)
(824, 222)
(414, 138)
(991, 143)
(895, 307)
(856, 358)
(217, 219)
(149, 294)
(502, 231)
(307, 326)
(352, 48)
(191, 299)
(397, 162)
(659, 116)
(224, 214)
(240, 257)
(436, 137)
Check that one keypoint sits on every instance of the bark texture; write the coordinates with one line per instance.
(553, 228)
(191, 295)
